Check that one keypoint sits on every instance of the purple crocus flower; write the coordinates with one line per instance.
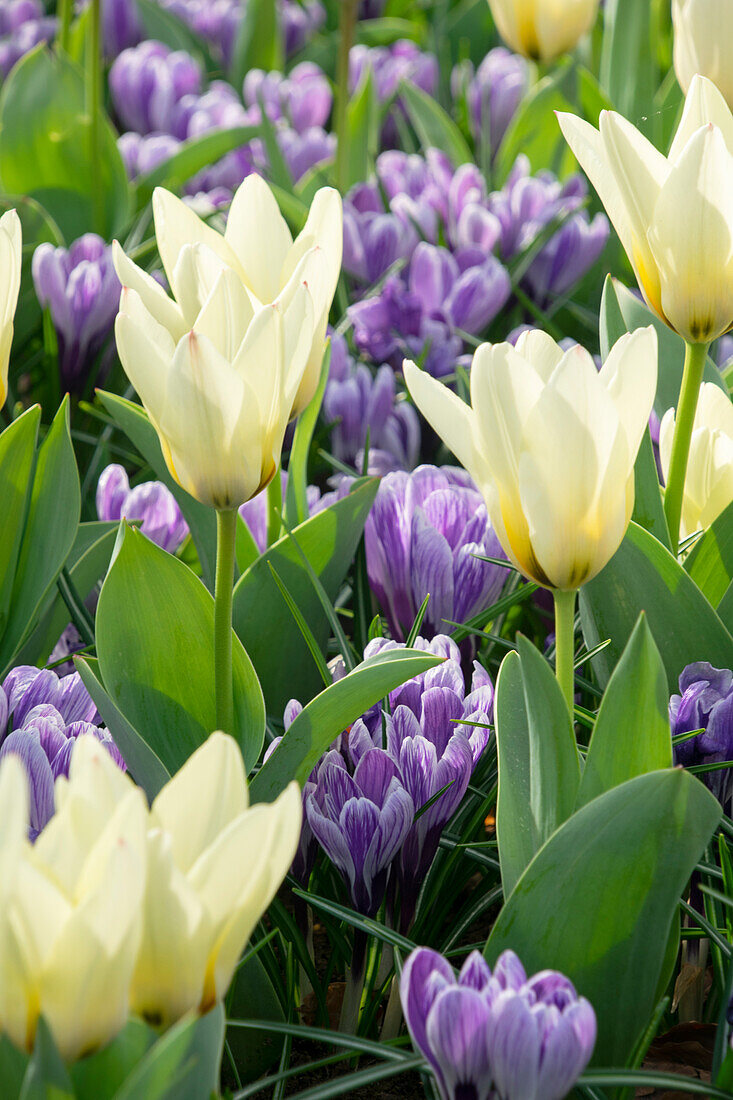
(121, 26)
(305, 151)
(361, 821)
(141, 153)
(371, 9)
(24, 32)
(705, 703)
(14, 13)
(303, 98)
(151, 502)
(425, 535)
(147, 82)
(255, 512)
(390, 65)
(81, 289)
(496, 1036)
(492, 92)
(41, 716)
(357, 402)
(300, 22)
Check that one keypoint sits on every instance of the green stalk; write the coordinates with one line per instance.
(347, 29)
(226, 530)
(274, 508)
(94, 109)
(64, 11)
(565, 643)
(695, 355)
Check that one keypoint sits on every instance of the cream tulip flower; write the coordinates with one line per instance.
(551, 442)
(259, 251)
(709, 481)
(674, 215)
(543, 29)
(71, 917)
(703, 43)
(215, 863)
(11, 257)
(220, 393)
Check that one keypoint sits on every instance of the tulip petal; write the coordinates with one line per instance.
(160, 307)
(630, 377)
(258, 234)
(324, 228)
(704, 104)
(226, 314)
(539, 349)
(450, 417)
(146, 350)
(176, 225)
(694, 253)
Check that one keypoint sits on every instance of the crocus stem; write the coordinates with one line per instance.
(684, 420)
(274, 509)
(565, 643)
(65, 11)
(347, 27)
(354, 985)
(393, 1013)
(94, 109)
(226, 529)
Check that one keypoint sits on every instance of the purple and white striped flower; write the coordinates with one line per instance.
(492, 92)
(705, 703)
(150, 502)
(500, 1035)
(148, 81)
(303, 98)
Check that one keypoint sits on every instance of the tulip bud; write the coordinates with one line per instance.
(703, 38)
(551, 443)
(673, 215)
(709, 480)
(543, 29)
(11, 257)
(215, 864)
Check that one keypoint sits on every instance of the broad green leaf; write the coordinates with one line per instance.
(534, 131)
(184, 1064)
(252, 997)
(710, 562)
(326, 716)
(48, 535)
(598, 900)
(434, 127)
(328, 540)
(13, 1067)
(193, 156)
(145, 767)
(17, 459)
(100, 1075)
(671, 350)
(362, 131)
(133, 421)
(46, 1077)
(628, 69)
(631, 735)
(611, 323)
(46, 150)
(516, 830)
(155, 643)
(259, 43)
(643, 576)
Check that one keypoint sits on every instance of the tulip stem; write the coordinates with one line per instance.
(226, 531)
(274, 509)
(695, 355)
(565, 643)
(347, 28)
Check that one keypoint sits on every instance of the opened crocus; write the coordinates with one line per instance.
(703, 37)
(215, 864)
(543, 29)
(11, 256)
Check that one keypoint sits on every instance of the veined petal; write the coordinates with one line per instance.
(630, 376)
(691, 238)
(177, 225)
(450, 417)
(160, 307)
(704, 104)
(202, 798)
(259, 235)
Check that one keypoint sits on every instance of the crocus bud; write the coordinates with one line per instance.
(146, 83)
(497, 1034)
(543, 29)
(551, 443)
(11, 256)
(705, 703)
(258, 261)
(215, 864)
(81, 290)
(674, 214)
(709, 479)
(703, 36)
(71, 916)
(151, 502)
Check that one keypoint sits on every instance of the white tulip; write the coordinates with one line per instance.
(258, 250)
(11, 258)
(703, 43)
(674, 215)
(543, 29)
(215, 864)
(551, 442)
(709, 480)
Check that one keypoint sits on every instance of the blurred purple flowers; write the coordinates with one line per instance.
(492, 94)
(423, 535)
(390, 65)
(303, 98)
(23, 24)
(146, 84)
(41, 716)
(151, 502)
(706, 703)
(496, 1035)
(82, 292)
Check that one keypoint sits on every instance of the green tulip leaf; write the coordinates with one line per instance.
(643, 576)
(598, 901)
(534, 132)
(434, 127)
(631, 735)
(184, 1064)
(710, 561)
(17, 460)
(363, 118)
(100, 1075)
(328, 540)
(46, 1076)
(331, 712)
(155, 633)
(252, 996)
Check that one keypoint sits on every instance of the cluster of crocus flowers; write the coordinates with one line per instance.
(705, 703)
(543, 29)
(117, 908)
(11, 258)
(496, 1034)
